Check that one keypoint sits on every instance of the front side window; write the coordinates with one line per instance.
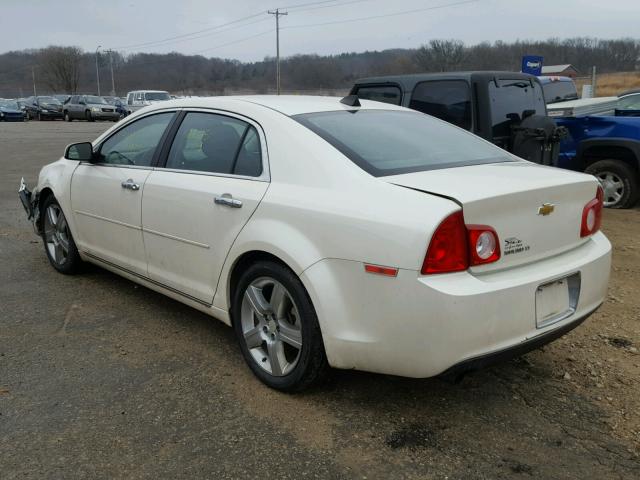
(388, 142)
(381, 93)
(449, 100)
(208, 142)
(136, 143)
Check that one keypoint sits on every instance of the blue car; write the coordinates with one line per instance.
(10, 111)
(606, 146)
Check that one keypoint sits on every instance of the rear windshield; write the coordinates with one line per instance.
(387, 142)
(157, 96)
(559, 91)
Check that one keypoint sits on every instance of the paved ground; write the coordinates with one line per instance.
(100, 378)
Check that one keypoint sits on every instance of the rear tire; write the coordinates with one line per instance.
(279, 338)
(59, 245)
(619, 182)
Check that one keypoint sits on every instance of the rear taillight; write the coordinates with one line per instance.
(484, 246)
(592, 215)
(448, 250)
(455, 246)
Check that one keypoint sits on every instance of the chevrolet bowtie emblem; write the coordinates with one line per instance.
(546, 209)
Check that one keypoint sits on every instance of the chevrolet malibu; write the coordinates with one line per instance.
(332, 233)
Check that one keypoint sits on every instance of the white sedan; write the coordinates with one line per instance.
(329, 233)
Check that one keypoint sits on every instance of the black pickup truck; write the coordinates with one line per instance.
(505, 108)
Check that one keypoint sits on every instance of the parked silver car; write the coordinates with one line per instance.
(90, 108)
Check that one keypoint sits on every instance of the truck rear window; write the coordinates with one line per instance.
(381, 93)
(388, 142)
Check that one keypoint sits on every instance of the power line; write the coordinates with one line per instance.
(372, 17)
(129, 47)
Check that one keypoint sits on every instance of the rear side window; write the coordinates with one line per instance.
(388, 142)
(381, 93)
(449, 100)
(208, 142)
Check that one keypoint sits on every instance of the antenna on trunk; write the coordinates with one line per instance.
(351, 100)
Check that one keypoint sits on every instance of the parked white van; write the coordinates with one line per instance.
(141, 98)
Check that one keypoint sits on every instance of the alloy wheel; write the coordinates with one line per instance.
(613, 187)
(56, 234)
(271, 326)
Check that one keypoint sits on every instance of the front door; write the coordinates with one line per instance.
(194, 208)
(106, 196)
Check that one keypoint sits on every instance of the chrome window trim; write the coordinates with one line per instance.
(265, 176)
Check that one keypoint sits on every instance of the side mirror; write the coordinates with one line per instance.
(79, 151)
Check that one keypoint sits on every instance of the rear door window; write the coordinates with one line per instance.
(208, 142)
(448, 100)
(380, 93)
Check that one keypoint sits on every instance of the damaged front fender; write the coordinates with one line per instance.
(30, 203)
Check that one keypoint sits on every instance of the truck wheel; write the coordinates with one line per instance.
(619, 182)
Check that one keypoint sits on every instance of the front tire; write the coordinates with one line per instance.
(67, 118)
(89, 116)
(59, 246)
(619, 182)
(277, 328)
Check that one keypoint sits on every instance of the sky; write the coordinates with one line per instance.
(242, 29)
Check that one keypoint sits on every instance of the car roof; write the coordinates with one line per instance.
(635, 91)
(286, 104)
(409, 81)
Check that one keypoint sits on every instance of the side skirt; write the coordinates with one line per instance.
(204, 307)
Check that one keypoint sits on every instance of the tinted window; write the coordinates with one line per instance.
(559, 91)
(207, 142)
(381, 93)
(249, 161)
(449, 100)
(509, 100)
(157, 96)
(393, 142)
(136, 143)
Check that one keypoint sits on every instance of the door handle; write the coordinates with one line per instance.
(227, 200)
(130, 184)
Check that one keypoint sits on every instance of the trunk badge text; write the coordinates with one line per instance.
(546, 209)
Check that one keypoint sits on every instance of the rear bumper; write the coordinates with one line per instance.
(508, 353)
(421, 326)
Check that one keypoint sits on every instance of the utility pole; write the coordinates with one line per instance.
(277, 14)
(113, 83)
(33, 75)
(98, 70)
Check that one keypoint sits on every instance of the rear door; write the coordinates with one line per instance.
(194, 207)
(106, 196)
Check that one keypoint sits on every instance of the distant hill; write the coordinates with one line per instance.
(185, 75)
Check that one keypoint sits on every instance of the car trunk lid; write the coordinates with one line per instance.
(536, 211)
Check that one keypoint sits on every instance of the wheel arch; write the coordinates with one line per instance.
(240, 264)
(625, 150)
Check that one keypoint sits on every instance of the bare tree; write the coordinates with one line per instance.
(441, 55)
(60, 68)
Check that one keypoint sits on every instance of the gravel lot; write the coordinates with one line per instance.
(100, 378)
